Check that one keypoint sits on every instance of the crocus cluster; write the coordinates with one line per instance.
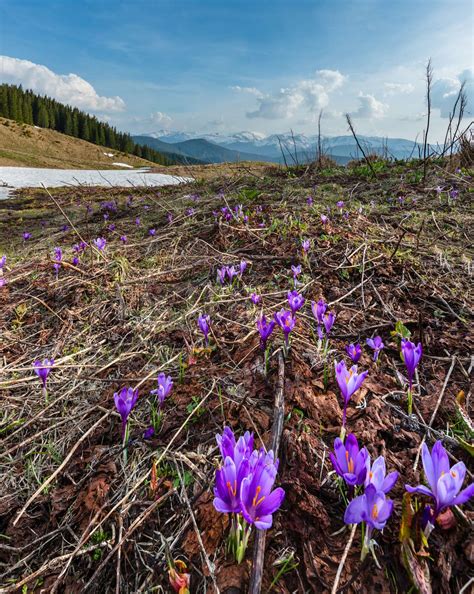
(244, 487)
(231, 272)
(325, 319)
(371, 507)
(58, 256)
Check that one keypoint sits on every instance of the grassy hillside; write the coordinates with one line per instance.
(22, 145)
(83, 511)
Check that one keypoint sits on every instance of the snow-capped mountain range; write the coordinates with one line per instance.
(256, 146)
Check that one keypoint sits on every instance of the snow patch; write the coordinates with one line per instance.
(123, 165)
(109, 154)
(32, 177)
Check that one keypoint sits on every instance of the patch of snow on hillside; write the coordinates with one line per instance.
(123, 165)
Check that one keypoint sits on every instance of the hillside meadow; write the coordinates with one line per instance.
(111, 473)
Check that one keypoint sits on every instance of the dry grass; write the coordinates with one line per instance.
(22, 145)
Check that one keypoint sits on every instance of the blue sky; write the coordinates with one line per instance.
(227, 65)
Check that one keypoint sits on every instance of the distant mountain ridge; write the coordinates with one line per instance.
(254, 146)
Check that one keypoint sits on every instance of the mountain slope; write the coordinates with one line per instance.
(199, 150)
(215, 153)
(166, 148)
(22, 145)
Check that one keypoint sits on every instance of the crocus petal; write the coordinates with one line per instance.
(355, 511)
(419, 489)
(264, 522)
(389, 481)
(223, 507)
(428, 467)
(464, 495)
(272, 502)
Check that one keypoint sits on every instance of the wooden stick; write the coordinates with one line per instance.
(343, 559)
(260, 538)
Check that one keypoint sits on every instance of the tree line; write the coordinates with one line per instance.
(27, 107)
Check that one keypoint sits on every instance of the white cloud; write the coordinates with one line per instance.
(369, 107)
(161, 119)
(394, 88)
(307, 95)
(445, 90)
(250, 90)
(67, 88)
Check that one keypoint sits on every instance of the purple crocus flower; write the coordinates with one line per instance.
(258, 501)
(255, 298)
(100, 243)
(75, 260)
(295, 300)
(319, 310)
(340, 204)
(3, 261)
(3, 281)
(221, 274)
(106, 217)
(152, 232)
(26, 235)
(165, 385)
(349, 381)
(351, 463)
(444, 482)
(377, 345)
(328, 320)
(169, 217)
(376, 476)
(137, 222)
(236, 467)
(58, 256)
(453, 194)
(354, 351)
(411, 355)
(372, 507)
(203, 323)
(125, 400)
(243, 267)
(309, 201)
(306, 244)
(42, 369)
(111, 227)
(231, 272)
(296, 270)
(123, 238)
(286, 320)
(265, 328)
(324, 219)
